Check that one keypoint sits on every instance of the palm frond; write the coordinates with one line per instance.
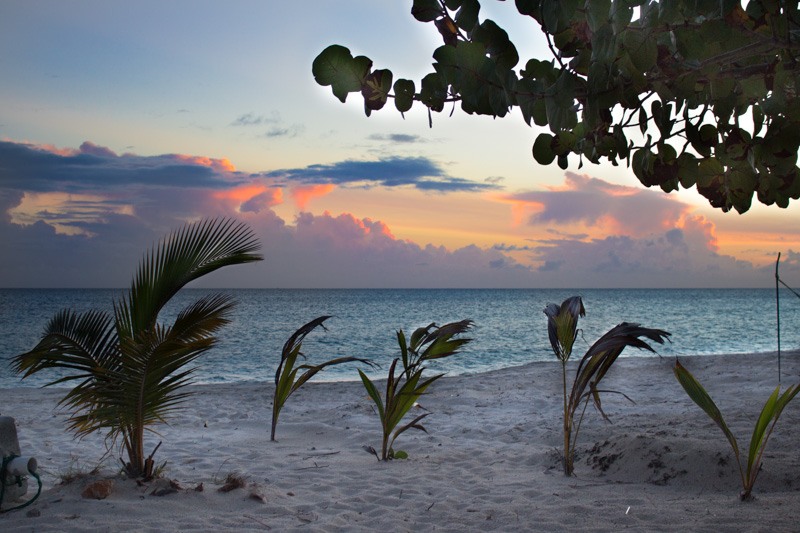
(605, 351)
(292, 344)
(184, 256)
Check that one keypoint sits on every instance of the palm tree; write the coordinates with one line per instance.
(132, 370)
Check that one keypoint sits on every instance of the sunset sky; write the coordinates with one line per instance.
(122, 120)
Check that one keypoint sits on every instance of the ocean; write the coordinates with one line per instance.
(510, 327)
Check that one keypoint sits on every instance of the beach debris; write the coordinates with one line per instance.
(14, 469)
(164, 487)
(232, 482)
(98, 490)
(257, 495)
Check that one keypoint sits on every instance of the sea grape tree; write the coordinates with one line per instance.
(699, 93)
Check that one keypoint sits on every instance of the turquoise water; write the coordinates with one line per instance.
(510, 328)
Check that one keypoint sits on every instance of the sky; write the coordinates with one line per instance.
(121, 121)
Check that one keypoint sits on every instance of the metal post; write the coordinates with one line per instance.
(778, 313)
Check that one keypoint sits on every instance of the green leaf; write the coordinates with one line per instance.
(542, 149)
(467, 15)
(426, 10)
(564, 143)
(687, 170)
(375, 90)
(699, 396)
(641, 47)
(403, 94)
(373, 393)
(433, 92)
(497, 44)
(598, 13)
(335, 66)
(757, 441)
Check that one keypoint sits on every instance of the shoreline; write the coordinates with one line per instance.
(490, 459)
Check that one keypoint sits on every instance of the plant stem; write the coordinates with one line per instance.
(275, 411)
(567, 428)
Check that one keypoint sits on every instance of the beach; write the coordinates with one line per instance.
(490, 460)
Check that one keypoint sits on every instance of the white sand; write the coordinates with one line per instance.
(490, 461)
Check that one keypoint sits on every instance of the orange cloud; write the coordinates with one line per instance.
(304, 194)
(698, 224)
(251, 198)
(220, 165)
(241, 194)
(521, 209)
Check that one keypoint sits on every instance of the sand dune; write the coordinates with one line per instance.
(490, 461)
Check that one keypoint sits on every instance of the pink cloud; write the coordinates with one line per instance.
(305, 193)
(611, 209)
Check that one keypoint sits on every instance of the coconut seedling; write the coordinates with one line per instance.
(562, 328)
(750, 466)
(132, 370)
(406, 386)
(286, 380)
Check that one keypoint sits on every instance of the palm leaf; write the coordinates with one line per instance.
(414, 424)
(373, 394)
(286, 380)
(291, 348)
(79, 342)
(603, 353)
(699, 396)
(770, 413)
(184, 256)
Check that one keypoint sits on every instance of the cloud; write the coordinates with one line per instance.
(305, 193)
(346, 251)
(83, 218)
(289, 131)
(419, 172)
(398, 138)
(595, 202)
(91, 168)
(673, 259)
(277, 127)
(251, 119)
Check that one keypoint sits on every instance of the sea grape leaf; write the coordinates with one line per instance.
(335, 66)
(542, 149)
(375, 89)
(403, 94)
(426, 10)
